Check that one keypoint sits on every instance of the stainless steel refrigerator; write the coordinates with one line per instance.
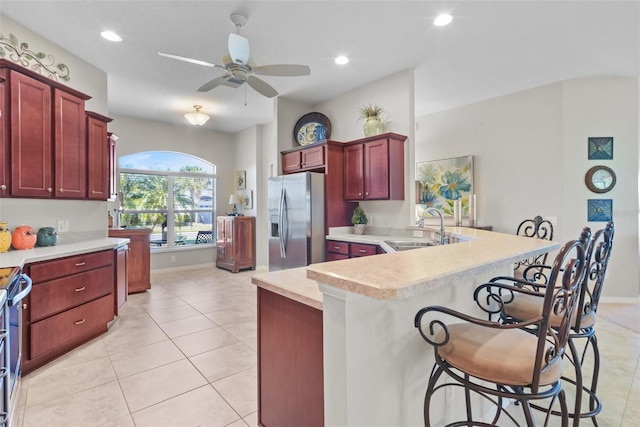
(296, 220)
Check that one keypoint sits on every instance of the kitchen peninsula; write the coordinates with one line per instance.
(374, 364)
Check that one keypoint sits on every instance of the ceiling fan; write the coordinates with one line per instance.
(238, 67)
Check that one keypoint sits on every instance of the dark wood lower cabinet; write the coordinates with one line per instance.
(290, 363)
(71, 302)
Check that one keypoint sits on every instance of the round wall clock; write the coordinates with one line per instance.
(600, 179)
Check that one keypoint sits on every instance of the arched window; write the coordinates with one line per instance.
(172, 193)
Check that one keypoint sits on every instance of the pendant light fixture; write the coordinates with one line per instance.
(197, 117)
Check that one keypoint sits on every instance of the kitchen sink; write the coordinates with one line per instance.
(405, 245)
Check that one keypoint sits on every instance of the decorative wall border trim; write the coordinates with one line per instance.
(39, 62)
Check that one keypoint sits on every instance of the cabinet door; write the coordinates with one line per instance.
(113, 167)
(291, 162)
(31, 171)
(70, 146)
(121, 279)
(98, 159)
(4, 142)
(221, 240)
(376, 170)
(243, 236)
(353, 172)
(312, 157)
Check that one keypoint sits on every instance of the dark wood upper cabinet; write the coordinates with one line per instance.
(70, 146)
(30, 109)
(98, 157)
(374, 168)
(51, 146)
(5, 183)
(323, 157)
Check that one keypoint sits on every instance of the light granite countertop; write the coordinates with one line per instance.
(408, 273)
(403, 274)
(17, 258)
(293, 284)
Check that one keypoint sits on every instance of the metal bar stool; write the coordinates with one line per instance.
(583, 321)
(536, 228)
(498, 361)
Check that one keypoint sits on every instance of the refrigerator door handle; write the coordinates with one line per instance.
(280, 225)
(285, 223)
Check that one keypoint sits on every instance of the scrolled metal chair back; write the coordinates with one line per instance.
(536, 228)
(567, 273)
(598, 257)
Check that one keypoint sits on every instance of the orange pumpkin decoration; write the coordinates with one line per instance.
(23, 237)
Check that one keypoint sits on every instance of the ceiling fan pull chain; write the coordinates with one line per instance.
(245, 95)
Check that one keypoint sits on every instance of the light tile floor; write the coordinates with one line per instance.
(184, 354)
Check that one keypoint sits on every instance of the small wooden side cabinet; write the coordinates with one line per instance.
(236, 242)
(139, 260)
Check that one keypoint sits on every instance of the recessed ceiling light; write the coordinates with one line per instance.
(111, 36)
(442, 19)
(342, 60)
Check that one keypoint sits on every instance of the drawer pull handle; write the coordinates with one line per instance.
(80, 289)
(337, 247)
(79, 322)
(80, 264)
(363, 251)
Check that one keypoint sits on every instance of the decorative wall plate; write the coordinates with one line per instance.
(312, 128)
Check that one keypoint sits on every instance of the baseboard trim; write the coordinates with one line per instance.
(620, 300)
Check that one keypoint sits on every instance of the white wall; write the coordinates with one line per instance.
(530, 158)
(137, 135)
(395, 94)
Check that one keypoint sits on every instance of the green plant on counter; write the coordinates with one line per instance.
(359, 217)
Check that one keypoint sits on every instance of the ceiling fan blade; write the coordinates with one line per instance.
(262, 87)
(284, 70)
(213, 83)
(185, 59)
(239, 48)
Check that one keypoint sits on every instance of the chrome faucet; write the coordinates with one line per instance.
(443, 238)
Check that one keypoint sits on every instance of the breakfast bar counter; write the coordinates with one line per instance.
(375, 364)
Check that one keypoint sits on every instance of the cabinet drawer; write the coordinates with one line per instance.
(337, 247)
(51, 333)
(60, 294)
(336, 257)
(358, 249)
(47, 270)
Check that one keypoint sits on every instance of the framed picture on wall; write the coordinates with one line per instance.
(599, 210)
(601, 148)
(241, 180)
(440, 182)
(246, 197)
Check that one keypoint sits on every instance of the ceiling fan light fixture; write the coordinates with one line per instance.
(341, 60)
(197, 117)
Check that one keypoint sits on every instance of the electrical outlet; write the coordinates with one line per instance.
(63, 226)
(173, 258)
(418, 233)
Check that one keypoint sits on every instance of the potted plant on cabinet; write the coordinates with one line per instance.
(359, 220)
(372, 116)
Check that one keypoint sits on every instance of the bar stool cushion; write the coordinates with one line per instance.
(530, 306)
(499, 356)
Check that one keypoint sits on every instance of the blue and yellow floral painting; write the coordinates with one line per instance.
(440, 182)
